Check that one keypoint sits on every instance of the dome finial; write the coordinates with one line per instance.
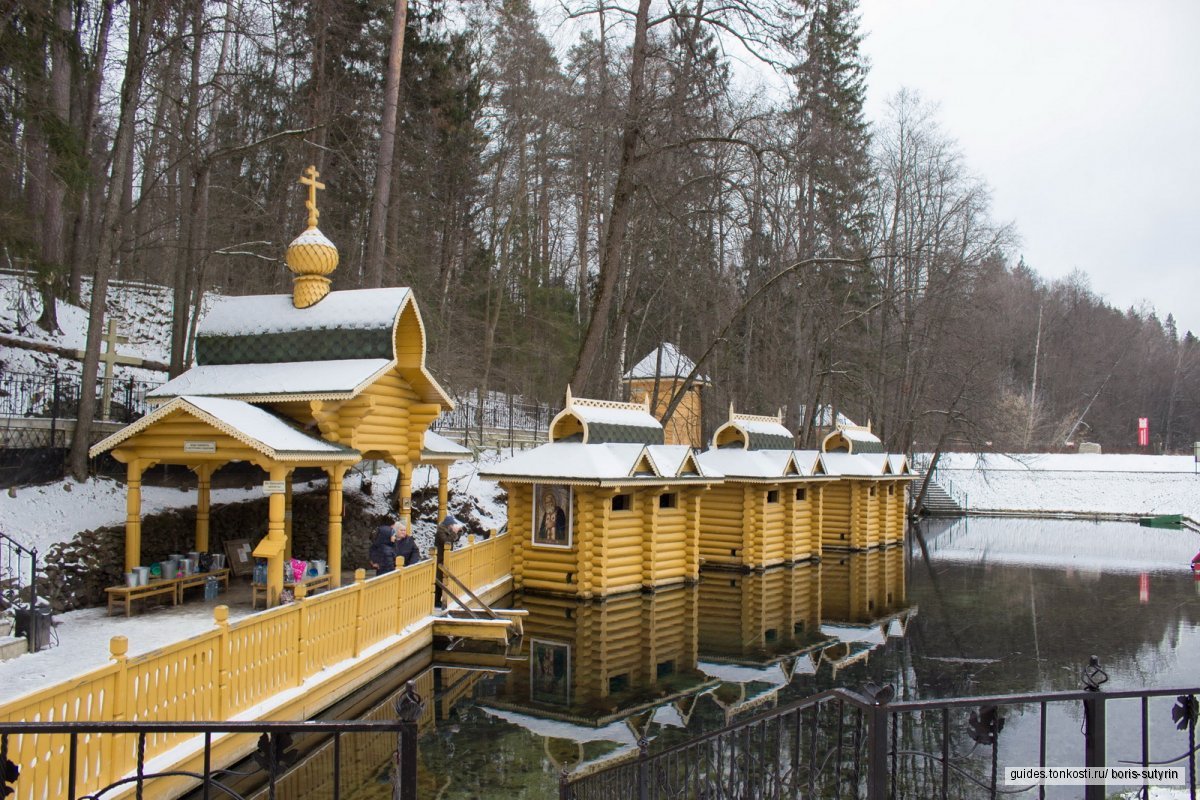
(309, 179)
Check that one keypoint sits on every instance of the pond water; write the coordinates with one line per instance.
(967, 607)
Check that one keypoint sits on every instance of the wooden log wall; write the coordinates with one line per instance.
(835, 515)
(721, 531)
(759, 615)
(774, 529)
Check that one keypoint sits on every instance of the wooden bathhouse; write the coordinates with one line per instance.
(766, 511)
(604, 507)
(864, 507)
(656, 379)
(311, 379)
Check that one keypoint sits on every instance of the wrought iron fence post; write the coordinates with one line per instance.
(643, 778)
(510, 422)
(54, 413)
(1093, 677)
(33, 554)
(564, 785)
(877, 740)
(409, 707)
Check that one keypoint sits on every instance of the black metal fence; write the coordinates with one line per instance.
(18, 588)
(55, 396)
(497, 418)
(843, 744)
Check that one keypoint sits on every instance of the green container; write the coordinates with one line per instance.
(1174, 521)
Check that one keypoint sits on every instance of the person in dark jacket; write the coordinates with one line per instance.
(406, 547)
(383, 549)
(449, 532)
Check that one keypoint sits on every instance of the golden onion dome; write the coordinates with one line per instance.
(311, 256)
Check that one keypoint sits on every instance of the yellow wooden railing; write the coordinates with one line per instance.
(482, 563)
(213, 676)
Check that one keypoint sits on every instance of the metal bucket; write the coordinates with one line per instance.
(131, 579)
(218, 561)
(320, 566)
(171, 568)
(141, 575)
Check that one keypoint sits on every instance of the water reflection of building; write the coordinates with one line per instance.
(759, 617)
(593, 663)
(864, 602)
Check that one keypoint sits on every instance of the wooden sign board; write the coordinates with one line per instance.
(199, 447)
(240, 560)
(274, 487)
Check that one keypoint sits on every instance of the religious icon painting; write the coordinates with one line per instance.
(552, 515)
(550, 672)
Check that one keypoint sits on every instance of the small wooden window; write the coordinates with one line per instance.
(801, 494)
(622, 502)
(891, 489)
(872, 491)
(668, 500)
(773, 496)
(618, 683)
(666, 668)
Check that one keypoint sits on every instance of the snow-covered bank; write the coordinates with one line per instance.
(1132, 485)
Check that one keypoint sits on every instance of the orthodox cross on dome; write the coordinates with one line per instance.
(309, 179)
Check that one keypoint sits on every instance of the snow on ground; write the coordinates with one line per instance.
(143, 311)
(1086, 483)
(84, 636)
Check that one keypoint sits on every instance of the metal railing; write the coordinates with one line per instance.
(844, 744)
(938, 476)
(280, 749)
(494, 421)
(18, 583)
(55, 396)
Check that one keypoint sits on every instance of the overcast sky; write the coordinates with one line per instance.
(1084, 118)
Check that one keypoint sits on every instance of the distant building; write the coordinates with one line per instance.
(655, 379)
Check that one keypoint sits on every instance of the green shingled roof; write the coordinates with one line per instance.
(296, 345)
(766, 441)
(612, 433)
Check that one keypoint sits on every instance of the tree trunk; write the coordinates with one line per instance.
(583, 378)
(141, 16)
(376, 244)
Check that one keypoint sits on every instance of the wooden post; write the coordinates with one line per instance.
(275, 535)
(404, 501)
(224, 705)
(301, 632)
(133, 513)
(113, 766)
(360, 577)
(287, 516)
(443, 491)
(334, 546)
(203, 503)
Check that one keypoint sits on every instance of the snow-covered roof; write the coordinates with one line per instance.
(807, 461)
(754, 432)
(257, 428)
(352, 309)
(599, 464)
(558, 729)
(899, 463)
(606, 422)
(437, 446)
(848, 466)
(331, 350)
(862, 634)
(754, 465)
(857, 439)
(331, 380)
(665, 361)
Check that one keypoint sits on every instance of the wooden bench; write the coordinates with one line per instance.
(127, 594)
(201, 578)
(311, 586)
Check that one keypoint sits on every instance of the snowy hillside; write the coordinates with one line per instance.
(142, 310)
(1084, 483)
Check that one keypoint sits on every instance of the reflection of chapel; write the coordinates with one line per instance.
(312, 379)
